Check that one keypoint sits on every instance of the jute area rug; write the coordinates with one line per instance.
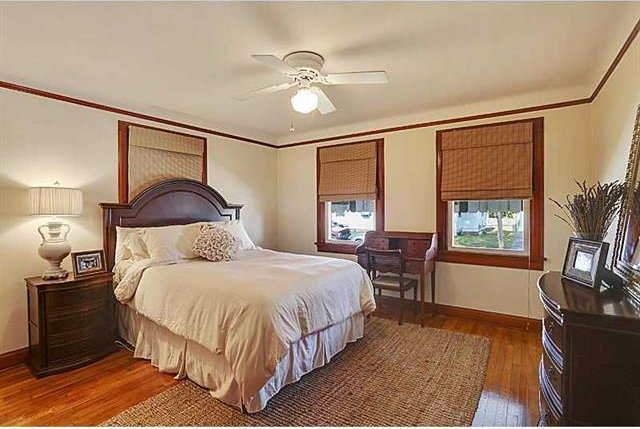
(394, 376)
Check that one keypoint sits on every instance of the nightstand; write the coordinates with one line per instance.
(71, 322)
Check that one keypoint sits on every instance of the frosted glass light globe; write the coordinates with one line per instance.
(305, 101)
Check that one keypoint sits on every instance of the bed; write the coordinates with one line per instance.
(242, 329)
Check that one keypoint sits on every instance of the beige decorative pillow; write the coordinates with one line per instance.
(216, 244)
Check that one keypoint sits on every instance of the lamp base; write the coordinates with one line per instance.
(53, 273)
(54, 248)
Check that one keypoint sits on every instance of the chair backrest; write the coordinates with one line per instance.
(384, 261)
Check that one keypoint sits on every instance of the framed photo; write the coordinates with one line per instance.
(584, 262)
(88, 262)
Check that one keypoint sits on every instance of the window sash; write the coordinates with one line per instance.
(327, 217)
(482, 250)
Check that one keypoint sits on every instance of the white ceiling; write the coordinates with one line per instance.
(188, 60)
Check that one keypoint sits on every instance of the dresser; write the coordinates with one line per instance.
(71, 322)
(590, 367)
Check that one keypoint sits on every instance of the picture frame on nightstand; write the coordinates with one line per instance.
(88, 262)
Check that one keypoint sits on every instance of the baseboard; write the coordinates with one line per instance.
(508, 320)
(13, 358)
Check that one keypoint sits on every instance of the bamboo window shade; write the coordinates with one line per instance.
(347, 172)
(156, 155)
(487, 163)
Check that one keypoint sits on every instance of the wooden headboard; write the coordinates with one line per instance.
(172, 202)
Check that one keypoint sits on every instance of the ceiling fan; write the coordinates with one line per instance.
(304, 70)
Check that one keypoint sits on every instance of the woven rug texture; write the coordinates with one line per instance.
(395, 376)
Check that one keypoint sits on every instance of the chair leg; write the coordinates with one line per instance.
(415, 299)
(401, 309)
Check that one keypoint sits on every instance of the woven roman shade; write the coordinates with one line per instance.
(347, 172)
(156, 155)
(487, 163)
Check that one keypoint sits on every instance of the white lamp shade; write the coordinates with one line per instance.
(305, 101)
(55, 201)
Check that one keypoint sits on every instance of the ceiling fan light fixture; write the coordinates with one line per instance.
(304, 101)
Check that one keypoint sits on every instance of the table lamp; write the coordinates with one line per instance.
(54, 201)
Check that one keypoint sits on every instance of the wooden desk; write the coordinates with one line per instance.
(419, 249)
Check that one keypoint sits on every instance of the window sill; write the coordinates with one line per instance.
(349, 249)
(491, 260)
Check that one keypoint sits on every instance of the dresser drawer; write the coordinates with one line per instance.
(553, 373)
(65, 301)
(547, 417)
(552, 400)
(554, 332)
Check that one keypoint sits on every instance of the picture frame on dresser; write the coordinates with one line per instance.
(584, 262)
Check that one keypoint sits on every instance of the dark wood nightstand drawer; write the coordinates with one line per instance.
(77, 322)
(87, 345)
(76, 299)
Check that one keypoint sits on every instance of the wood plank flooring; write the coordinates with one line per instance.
(90, 395)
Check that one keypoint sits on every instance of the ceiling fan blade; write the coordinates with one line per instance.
(356, 78)
(324, 103)
(268, 90)
(275, 63)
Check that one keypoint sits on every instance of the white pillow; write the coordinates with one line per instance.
(134, 245)
(171, 243)
(122, 233)
(236, 228)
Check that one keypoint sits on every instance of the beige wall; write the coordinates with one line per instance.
(410, 206)
(42, 141)
(612, 118)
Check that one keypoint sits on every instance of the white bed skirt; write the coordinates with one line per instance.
(174, 354)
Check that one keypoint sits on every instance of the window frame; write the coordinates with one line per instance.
(330, 246)
(535, 259)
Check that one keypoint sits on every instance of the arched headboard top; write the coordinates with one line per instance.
(172, 202)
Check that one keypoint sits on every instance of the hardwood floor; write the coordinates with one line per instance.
(90, 395)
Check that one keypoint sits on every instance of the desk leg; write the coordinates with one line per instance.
(433, 291)
(422, 286)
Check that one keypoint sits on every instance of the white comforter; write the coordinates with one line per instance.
(251, 309)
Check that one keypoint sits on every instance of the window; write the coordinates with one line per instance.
(490, 226)
(350, 194)
(349, 221)
(490, 195)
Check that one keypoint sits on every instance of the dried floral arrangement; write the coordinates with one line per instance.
(591, 212)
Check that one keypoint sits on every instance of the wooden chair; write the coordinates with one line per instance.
(382, 263)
